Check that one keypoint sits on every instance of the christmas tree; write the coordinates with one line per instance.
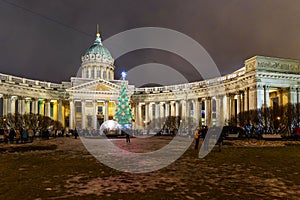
(123, 111)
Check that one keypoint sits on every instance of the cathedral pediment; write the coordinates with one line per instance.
(100, 87)
(97, 86)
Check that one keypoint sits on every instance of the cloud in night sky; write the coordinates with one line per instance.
(44, 40)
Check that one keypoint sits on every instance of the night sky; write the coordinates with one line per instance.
(44, 40)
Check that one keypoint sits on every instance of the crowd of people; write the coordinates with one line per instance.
(24, 135)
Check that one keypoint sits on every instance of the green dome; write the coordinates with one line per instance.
(98, 48)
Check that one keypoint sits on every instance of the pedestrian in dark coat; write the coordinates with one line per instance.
(127, 138)
(11, 136)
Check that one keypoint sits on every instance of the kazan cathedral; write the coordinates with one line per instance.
(87, 101)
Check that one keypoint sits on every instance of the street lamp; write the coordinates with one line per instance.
(180, 127)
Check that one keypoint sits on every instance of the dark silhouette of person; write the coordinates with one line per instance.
(197, 138)
(11, 135)
(127, 138)
(75, 133)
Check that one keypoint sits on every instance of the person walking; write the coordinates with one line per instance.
(75, 133)
(197, 138)
(127, 138)
(31, 135)
(220, 142)
(11, 135)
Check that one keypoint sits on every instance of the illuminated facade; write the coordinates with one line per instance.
(87, 101)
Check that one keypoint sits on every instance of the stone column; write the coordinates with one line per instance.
(238, 103)
(47, 108)
(5, 104)
(176, 108)
(20, 105)
(32, 106)
(228, 107)
(137, 116)
(208, 111)
(157, 115)
(60, 111)
(167, 110)
(242, 101)
(162, 114)
(219, 113)
(146, 112)
(27, 106)
(106, 110)
(83, 124)
(36, 106)
(71, 116)
(13, 105)
(95, 114)
(183, 109)
(260, 96)
(293, 95)
(196, 111)
(151, 112)
(246, 99)
(266, 96)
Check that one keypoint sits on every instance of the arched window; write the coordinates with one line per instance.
(108, 75)
(86, 73)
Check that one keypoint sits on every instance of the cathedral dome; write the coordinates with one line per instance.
(97, 62)
(97, 52)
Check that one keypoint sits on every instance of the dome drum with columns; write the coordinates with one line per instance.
(86, 101)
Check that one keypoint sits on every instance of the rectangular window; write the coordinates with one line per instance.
(100, 110)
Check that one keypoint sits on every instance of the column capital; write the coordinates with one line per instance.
(293, 89)
(6, 96)
(220, 96)
(21, 98)
(28, 99)
(229, 94)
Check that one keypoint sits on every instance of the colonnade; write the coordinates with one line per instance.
(216, 110)
(203, 111)
(12, 104)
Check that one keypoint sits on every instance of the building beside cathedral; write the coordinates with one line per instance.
(86, 101)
